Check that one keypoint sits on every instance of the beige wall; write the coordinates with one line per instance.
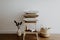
(49, 11)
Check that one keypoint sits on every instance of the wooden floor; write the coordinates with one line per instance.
(28, 37)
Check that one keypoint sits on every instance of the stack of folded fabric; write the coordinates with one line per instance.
(30, 17)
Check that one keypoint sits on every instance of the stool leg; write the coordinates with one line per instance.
(24, 36)
(37, 36)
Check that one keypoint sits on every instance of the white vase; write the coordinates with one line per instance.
(19, 32)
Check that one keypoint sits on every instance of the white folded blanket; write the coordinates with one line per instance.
(30, 19)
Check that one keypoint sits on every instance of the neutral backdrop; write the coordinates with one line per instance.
(10, 10)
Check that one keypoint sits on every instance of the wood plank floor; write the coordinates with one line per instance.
(28, 37)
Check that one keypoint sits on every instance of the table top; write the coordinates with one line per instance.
(31, 32)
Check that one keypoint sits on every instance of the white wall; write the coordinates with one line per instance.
(49, 11)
